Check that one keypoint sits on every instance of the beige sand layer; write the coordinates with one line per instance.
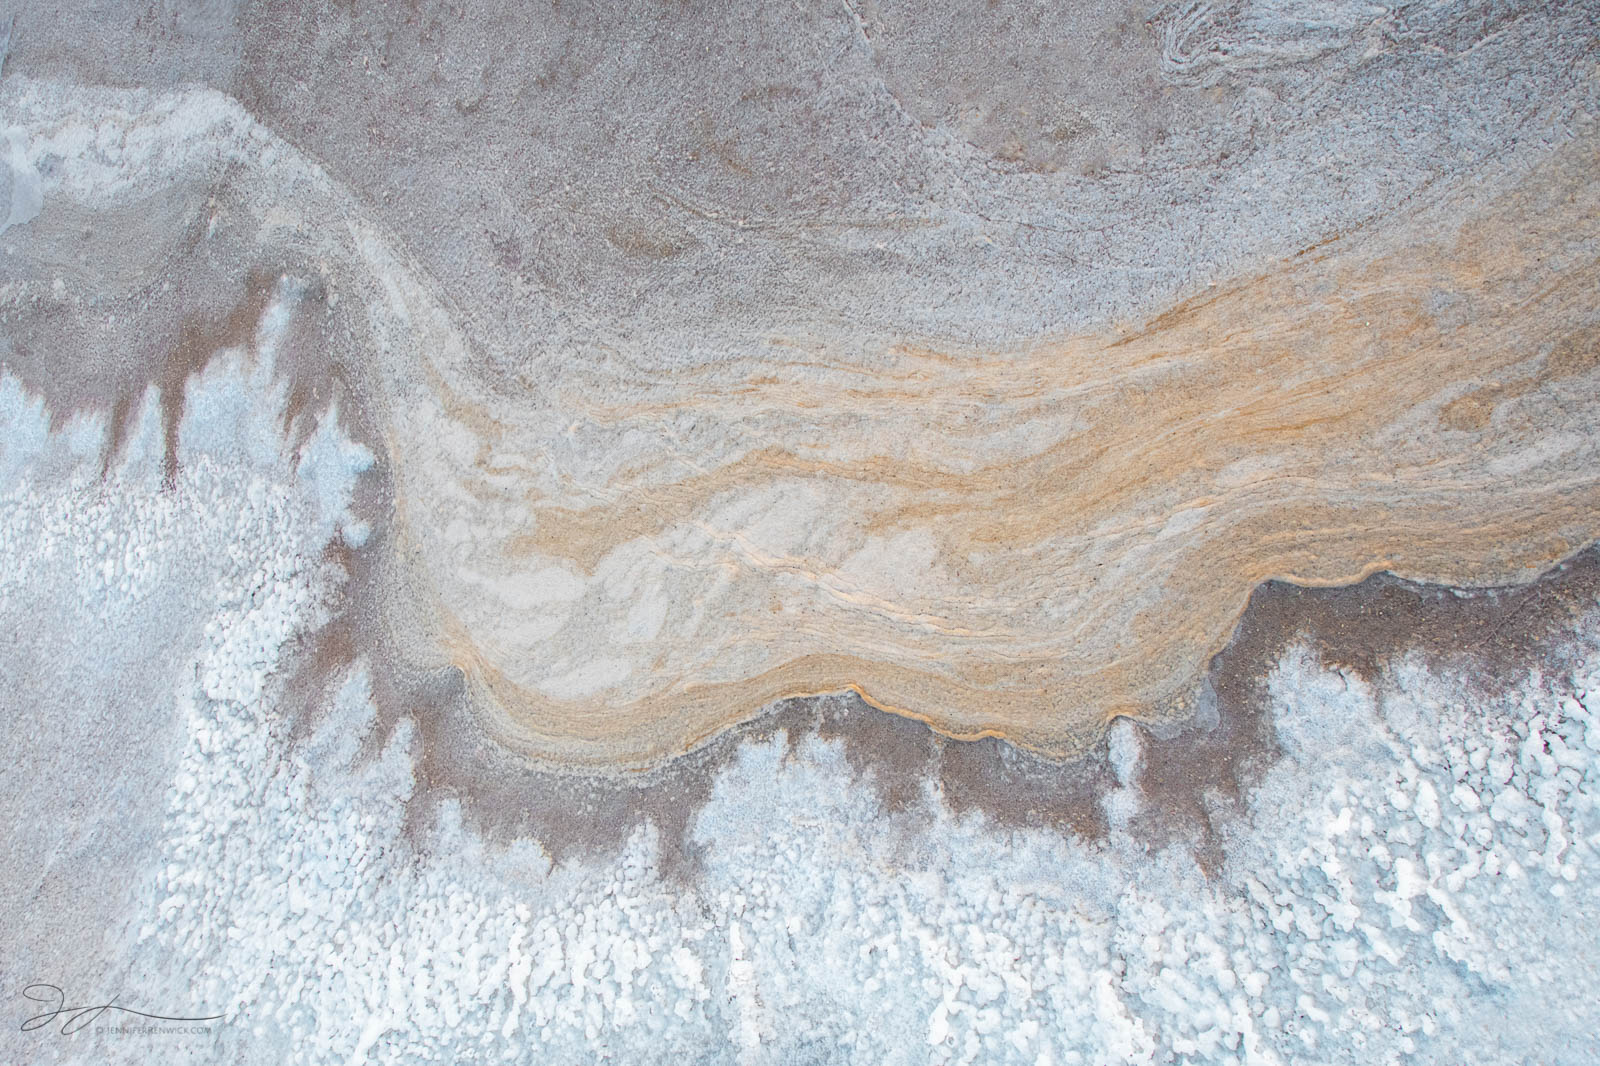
(1022, 543)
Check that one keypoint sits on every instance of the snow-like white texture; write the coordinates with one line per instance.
(29, 452)
(1372, 910)
(25, 191)
(105, 144)
(331, 463)
(1415, 880)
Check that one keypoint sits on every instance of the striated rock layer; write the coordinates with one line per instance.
(1024, 543)
(982, 364)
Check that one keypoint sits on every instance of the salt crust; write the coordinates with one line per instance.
(1413, 881)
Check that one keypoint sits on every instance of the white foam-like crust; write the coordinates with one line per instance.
(1414, 881)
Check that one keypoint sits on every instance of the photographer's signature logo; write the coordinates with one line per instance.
(74, 1019)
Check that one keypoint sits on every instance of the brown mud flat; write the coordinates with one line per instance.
(1190, 774)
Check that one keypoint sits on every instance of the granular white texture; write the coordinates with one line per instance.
(1413, 881)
